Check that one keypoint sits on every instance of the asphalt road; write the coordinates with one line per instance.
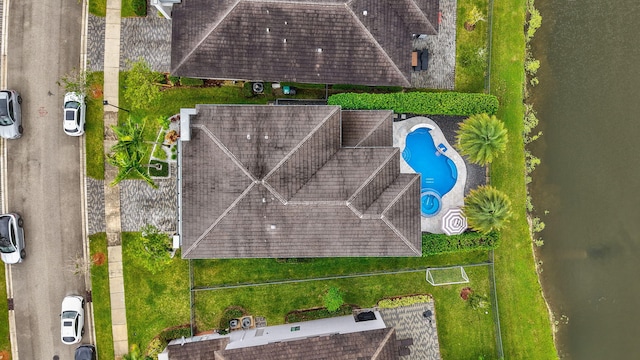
(44, 172)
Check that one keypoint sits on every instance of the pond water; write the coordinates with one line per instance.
(588, 106)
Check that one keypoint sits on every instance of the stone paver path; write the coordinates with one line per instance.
(442, 52)
(409, 323)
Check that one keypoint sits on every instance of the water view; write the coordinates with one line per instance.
(588, 182)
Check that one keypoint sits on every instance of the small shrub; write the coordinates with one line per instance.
(174, 157)
(477, 301)
(531, 66)
(139, 7)
(333, 299)
(174, 149)
(185, 81)
(173, 80)
(403, 301)
(247, 90)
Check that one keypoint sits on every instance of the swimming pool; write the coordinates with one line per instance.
(437, 171)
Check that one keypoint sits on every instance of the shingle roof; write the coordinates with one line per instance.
(275, 181)
(366, 345)
(313, 41)
(197, 350)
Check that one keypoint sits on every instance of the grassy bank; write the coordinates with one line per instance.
(526, 328)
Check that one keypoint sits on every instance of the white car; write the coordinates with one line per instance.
(11, 238)
(74, 114)
(72, 319)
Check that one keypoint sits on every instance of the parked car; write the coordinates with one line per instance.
(11, 238)
(72, 319)
(85, 352)
(10, 114)
(74, 114)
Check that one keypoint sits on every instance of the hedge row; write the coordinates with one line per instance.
(433, 244)
(440, 103)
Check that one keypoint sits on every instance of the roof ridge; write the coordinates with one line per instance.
(403, 190)
(222, 216)
(226, 150)
(377, 44)
(375, 172)
(376, 126)
(206, 35)
(423, 14)
(400, 235)
(388, 222)
(299, 145)
(383, 343)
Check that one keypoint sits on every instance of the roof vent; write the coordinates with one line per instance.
(284, 41)
(319, 50)
(264, 200)
(248, 136)
(268, 30)
(266, 137)
(364, 13)
(273, 226)
(285, 23)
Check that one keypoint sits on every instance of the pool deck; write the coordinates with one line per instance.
(455, 197)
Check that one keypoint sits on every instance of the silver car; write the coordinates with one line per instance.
(11, 239)
(10, 114)
(74, 114)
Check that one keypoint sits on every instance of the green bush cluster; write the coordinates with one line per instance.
(433, 244)
(306, 315)
(441, 103)
(185, 81)
(403, 301)
(139, 7)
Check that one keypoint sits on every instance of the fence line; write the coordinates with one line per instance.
(487, 79)
(496, 313)
(236, 286)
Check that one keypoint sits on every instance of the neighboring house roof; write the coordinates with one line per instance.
(277, 181)
(314, 41)
(377, 344)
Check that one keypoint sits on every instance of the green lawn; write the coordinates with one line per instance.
(471, 48)
(464, 333)
(153, 301)
(99, 8)
(94, 136)
(101, 297)
(526, 327)
(234, 271)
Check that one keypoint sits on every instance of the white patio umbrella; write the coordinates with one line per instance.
(454, 222)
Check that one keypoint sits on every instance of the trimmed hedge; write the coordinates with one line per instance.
(434, 244)
(440, 103)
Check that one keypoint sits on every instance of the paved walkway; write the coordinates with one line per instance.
(112, 193)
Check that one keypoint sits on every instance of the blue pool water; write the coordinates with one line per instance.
(438, 172)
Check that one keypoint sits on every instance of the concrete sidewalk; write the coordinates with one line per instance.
(112, 193)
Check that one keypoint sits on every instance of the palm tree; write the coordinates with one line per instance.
(129, 152)
(481, 138)
(487, 209)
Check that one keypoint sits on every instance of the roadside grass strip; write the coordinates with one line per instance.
(101, 296)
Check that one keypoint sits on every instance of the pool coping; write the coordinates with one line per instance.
(455, 197)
